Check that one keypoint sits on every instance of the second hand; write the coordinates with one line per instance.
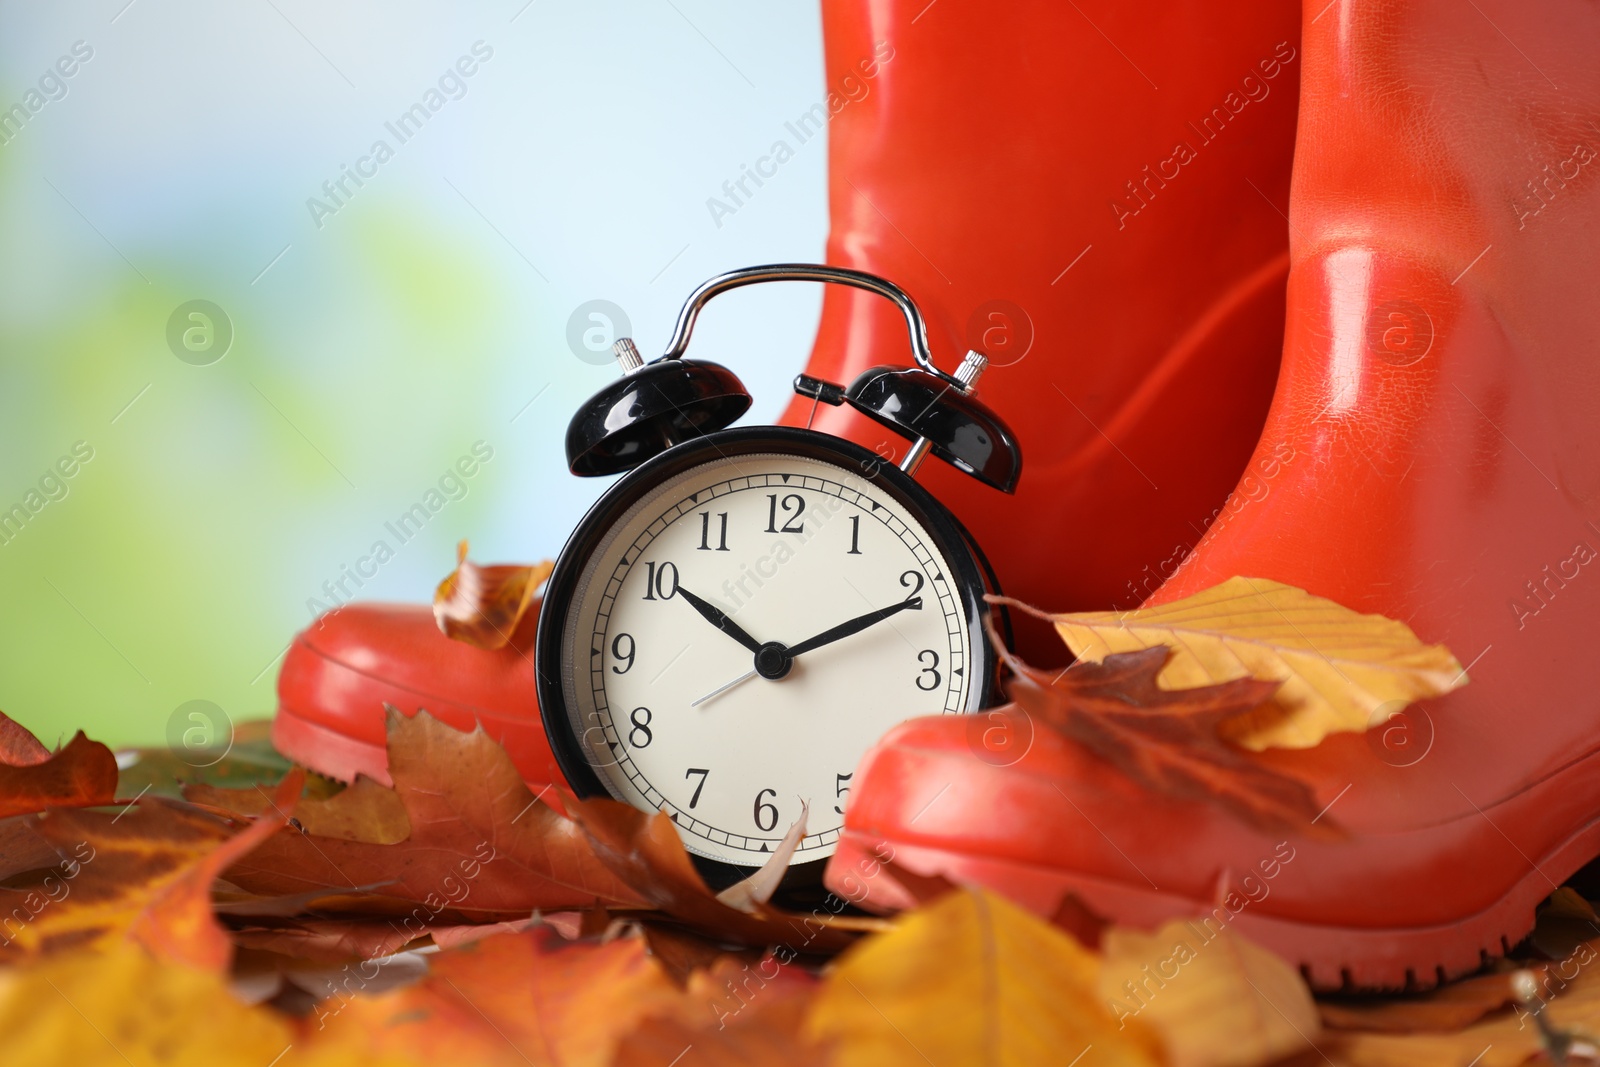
(745, 677)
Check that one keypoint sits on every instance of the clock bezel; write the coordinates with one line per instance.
(968, 571)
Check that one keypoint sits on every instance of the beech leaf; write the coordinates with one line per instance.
(1340, 670)
(483, 606)
(970, 979)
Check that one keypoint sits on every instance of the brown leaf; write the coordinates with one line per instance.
(481, 844)
(645, 852)
(364, 811)
(484, 605)
(84, 774)
(1167, 740)
(1565, 921)
(326, 940)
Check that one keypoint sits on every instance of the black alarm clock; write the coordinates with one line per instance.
(747, 610)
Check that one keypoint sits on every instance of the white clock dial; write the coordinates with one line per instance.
(788, 548)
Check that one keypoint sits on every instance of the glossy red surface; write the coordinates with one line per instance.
(1432, 453)
(1024, 153)
(343, 668)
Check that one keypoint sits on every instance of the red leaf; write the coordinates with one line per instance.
(82, 775)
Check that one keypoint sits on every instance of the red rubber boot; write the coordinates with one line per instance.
(342, 669)
(1023, 153)
(1437, 431)
(1019, 154)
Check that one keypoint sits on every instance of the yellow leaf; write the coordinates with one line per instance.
(1215, 999)
(974, 980)
(1341, 671)
(122, 1007)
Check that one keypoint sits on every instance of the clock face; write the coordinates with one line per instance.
(668, 707)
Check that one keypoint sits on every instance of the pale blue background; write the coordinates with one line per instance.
(376, 350)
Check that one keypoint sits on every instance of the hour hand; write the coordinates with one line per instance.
(718, 618)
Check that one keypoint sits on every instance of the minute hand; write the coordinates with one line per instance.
(854, 626)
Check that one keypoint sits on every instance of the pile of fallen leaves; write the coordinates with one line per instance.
(243, 913)
(458, 918)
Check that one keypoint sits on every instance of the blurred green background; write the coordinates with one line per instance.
(375, 339)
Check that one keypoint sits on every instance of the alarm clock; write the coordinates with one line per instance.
(747, 610)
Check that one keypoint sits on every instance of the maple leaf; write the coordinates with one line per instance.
(1168, 740)
(83, 774)
(1340, 670)
(480, 843)
(1215, 999)
(971, 979)
(483, 606)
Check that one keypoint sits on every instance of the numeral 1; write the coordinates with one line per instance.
(855, 536)
(705, 532)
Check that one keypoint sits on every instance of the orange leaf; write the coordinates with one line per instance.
(480, 843)
(756, 1019)
(484, 605)
(144, 873)
(363, 811)
(513, 999)
(177, 923)
(83, 774)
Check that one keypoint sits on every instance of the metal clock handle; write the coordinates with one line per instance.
(809, 272)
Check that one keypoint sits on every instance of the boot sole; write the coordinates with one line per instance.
(1341, 959)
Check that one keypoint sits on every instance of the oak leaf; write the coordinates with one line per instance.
(481, 844)
(971, 979)
(83, 774)
(1340, 670)
(483, 606)
(1168, 740)
(1215, 999)
(362, 811)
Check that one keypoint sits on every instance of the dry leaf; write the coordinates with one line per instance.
(481, 844)
(646, 852)
(1215, 999)
(363, 811)
(121, 1007)
(144, 873)
(1565, 921)
(973, 979)
(83, 774)
(1167, 740)
(484, 605)
(753, 1016)
(1341, 671)
(521, 1000)
(758, 888)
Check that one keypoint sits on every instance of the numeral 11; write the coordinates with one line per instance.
(705, 532)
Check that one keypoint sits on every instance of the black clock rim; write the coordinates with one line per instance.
(958, 550)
